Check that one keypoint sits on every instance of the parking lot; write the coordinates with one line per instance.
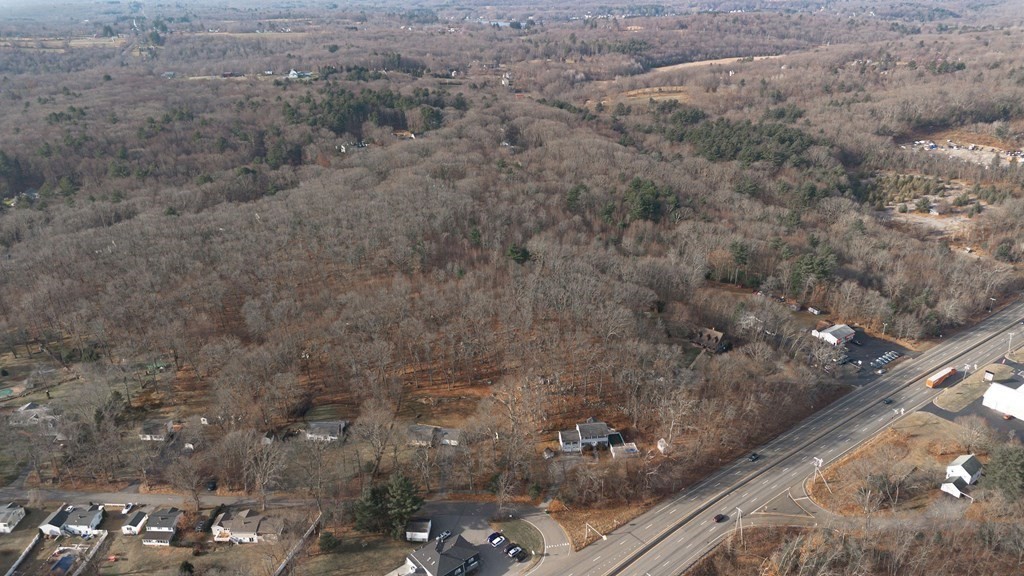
(865, 357)
(471, 521)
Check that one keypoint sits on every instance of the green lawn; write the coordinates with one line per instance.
(524, 534)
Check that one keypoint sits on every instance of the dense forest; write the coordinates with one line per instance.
(504, 220)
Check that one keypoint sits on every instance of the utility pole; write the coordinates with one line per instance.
(739, 524)
(818, 463)
(589, 528)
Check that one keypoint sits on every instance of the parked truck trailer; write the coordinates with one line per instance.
(939, 377)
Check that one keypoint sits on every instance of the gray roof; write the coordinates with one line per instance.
(84, 516)
(418, 525)
(840, 331)
(423, 433)
(327, 427)
(158, 536)
(164, 519)
(240, 522)
(440, 558)
(591, 430)
(8, 511)
(969, 463)
(450, 435)
(136, 519)
(569, 437)
(154, 427)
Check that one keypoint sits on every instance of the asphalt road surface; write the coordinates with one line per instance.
(667, 540)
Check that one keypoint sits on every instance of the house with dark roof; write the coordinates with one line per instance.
(71, 520)
(966, 467)
(955, 486)
(453, 556)
(133, 526)
(161, 527)
(84, 521)
(54, 523)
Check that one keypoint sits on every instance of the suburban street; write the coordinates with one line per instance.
(670, 538)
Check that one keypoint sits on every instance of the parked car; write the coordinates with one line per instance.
(127, 508)
(522, 556)
(443, 535)
(880, 371)
(720, 518)
(513, 550)
(211, 486)
(857, 342)
(496, 539)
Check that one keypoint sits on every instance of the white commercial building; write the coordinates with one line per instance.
(835, 335)
(1005, 400)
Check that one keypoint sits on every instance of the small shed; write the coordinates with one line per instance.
(954, 486)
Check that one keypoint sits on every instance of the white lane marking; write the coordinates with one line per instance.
(672, 511)
(648, 527)
(596, 559)
(704, 522)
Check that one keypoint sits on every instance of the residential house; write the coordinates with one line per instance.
(84, 521)
(966, 467)
(33, 414)
(711, 340)
(161, 527)
(449, 557)
(133, 526)
(417, 529)
(326, 430)
(835, 335)
(591, 433)
(569, 440)
(54, 524)
(423, 434)
(238, 527)
(10, 515)
(155, 431)
(450, 436)
(955, 486)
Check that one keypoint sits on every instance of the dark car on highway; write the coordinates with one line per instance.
(721, 518)
(754, 457)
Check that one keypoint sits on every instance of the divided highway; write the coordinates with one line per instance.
(668, 539)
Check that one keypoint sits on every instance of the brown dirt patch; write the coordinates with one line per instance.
(920, 444)
(574, 521)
